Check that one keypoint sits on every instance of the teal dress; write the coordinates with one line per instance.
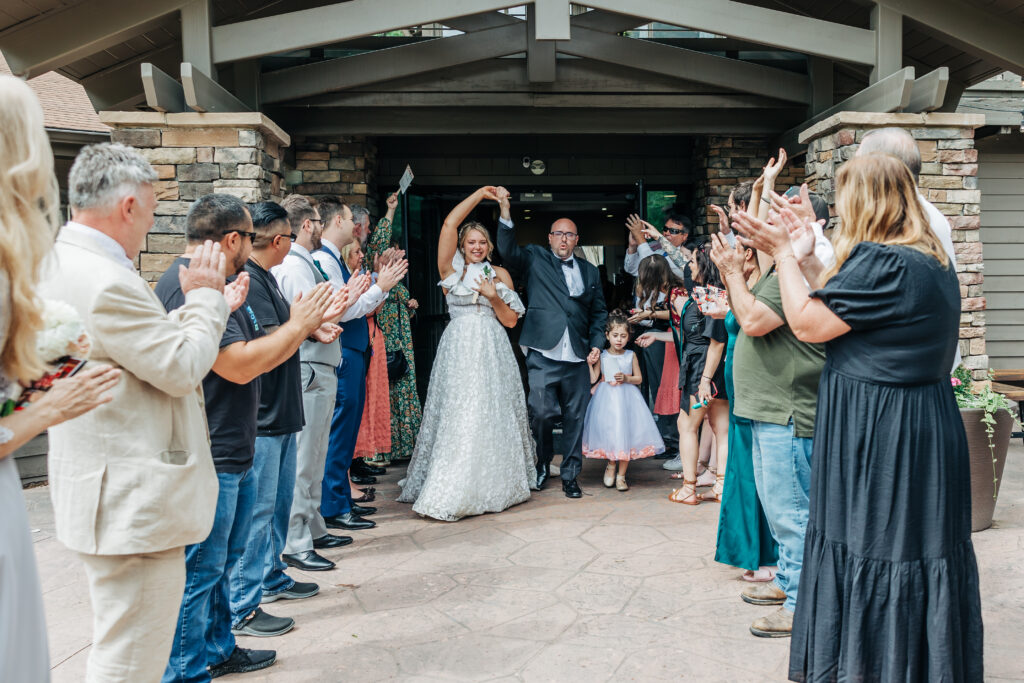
(744, 539)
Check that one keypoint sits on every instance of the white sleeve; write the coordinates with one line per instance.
(371, 299)
(506, 223)
(631, 263)
(823, 247)
(730, 237)
(293, 278)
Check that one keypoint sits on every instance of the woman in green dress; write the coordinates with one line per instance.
(744, 539)
(394, 319)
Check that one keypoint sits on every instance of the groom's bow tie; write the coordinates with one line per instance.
(568, 263)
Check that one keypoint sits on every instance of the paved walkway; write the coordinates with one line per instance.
(615, 586)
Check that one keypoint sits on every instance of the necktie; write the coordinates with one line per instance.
(320, 268)
(567, 263)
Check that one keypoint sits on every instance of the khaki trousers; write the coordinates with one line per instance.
(135, 602)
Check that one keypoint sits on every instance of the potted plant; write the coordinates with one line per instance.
(988, 421)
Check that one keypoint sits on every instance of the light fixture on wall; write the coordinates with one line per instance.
(536, 166)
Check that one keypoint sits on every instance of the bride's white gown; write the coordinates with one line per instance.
(475, 452)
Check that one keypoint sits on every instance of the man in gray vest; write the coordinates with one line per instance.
(299, 273)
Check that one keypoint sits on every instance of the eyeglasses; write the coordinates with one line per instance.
(674, 231)
(316, 220)
(559, 234)
(290, 235)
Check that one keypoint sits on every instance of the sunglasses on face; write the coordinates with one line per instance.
(674, 231)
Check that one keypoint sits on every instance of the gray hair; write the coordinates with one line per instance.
(896, 142)
(103, 174)
(360, 215)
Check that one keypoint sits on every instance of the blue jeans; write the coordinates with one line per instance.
(260, 569)
(782, 474)
(348, 413)
(202, 636)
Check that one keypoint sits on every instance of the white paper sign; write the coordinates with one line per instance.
(406, 180)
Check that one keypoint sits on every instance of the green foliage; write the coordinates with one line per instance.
(982, 398)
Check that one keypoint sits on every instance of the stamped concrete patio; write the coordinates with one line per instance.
(615, 586)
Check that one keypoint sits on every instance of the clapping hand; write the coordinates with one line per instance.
(773, 169)
(308, 311)
(326, 333)
(728, 260)
(236, 292)
(207, 268)
(357, 286)
(337, 305)
(391, 274)
(767, 237)
(723, 219)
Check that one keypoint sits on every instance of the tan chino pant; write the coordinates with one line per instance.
(135, 603)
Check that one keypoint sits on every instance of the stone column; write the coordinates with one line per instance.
(948, 179)
(194, 155)
(722, 163)
(343, 166)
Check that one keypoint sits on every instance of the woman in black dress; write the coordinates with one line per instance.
(889, 589)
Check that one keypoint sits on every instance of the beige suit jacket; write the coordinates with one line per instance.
(135, 475)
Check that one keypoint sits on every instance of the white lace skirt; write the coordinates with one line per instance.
(475, 452)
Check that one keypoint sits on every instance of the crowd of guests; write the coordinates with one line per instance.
(227, 417)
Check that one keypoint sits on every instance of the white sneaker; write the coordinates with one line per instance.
(673, 465)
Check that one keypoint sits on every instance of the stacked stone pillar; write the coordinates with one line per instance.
(948, 179)
(339, 165)
(195, 155)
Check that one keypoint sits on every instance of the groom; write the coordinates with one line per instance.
(563, 330)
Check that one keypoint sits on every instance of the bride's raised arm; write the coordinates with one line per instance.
(448, 243)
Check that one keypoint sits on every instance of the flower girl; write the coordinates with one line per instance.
(618, 426)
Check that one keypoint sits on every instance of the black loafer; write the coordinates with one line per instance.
(362, 480)
(308, 561)
(542, 477)
(348, 521)
(242, 661)
(263, 625)
(363, 510)
(572, 489)
(328, 541)
(366, 469)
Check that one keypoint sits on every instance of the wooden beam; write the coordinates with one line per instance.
(765, 26)
(78, 31)
(196, 49)
(929, 91)
(335, 23)
(551, 20)
(540, 55)
(203, 94)
(636, 101)
(163, 92)
(822, 73)
(119, 87)
(887, 95)
(971, 28)
(383, 65)
(688, 64)
(888, 27)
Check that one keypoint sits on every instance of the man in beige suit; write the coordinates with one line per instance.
(133, 482)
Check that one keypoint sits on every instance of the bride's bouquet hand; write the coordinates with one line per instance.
(485, 287)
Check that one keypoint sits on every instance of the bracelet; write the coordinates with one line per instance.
(783, 257)
(705, 377)
(766, 200)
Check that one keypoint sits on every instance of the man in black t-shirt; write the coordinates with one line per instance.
(232, 396)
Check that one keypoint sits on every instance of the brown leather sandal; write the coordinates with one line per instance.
(691, 486)
(715, 494)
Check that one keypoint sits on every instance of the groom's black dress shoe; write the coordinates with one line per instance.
(328, 541)
(572, 489)
(365, 469)
(363, 510)
(542, 477)
(308, 561)
(362, 479)
(348, 521)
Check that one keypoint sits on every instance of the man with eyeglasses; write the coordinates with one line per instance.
(204, 645)
(564, 325)
(676, 231)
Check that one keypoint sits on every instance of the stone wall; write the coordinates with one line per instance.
(343, 166)
(948, 179)
(721, 163)
(195, 155)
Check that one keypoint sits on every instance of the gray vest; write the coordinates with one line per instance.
(314, 351)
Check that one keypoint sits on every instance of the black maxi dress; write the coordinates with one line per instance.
(889, 586)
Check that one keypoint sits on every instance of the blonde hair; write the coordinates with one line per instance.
(468, 228)
(29, 218)
(346, 250)
(877, 202)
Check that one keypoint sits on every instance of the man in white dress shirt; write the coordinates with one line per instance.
(336, 505)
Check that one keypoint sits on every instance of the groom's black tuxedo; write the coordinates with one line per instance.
(556, 387)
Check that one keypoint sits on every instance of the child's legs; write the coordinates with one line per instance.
(623, 464)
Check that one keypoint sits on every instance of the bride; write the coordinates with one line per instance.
(475, 452)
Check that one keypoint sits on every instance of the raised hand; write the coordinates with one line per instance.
(728, 260)
(207, 268)
(392, 201)
(308, 311)
(773, 168)
(236, 292)
(392, 274)
(767, 237)
(491, 192)
(723, 218)
(800, 231)
(326, 333)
